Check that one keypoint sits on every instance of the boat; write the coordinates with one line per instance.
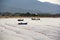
(22, 23)
(20, 19)
(35, 18)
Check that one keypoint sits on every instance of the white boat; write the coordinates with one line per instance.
(35, 18)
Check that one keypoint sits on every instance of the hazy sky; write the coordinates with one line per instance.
(51, 1)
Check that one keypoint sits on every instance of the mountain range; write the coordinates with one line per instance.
(32, 6)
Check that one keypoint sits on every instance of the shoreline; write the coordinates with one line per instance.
(25, 17)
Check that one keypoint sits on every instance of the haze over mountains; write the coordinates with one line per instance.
(33, 6)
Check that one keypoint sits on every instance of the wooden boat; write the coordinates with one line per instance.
(22, 23)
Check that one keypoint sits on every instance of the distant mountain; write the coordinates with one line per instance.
(32, 6)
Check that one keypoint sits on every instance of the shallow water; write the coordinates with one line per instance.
(44, 29)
